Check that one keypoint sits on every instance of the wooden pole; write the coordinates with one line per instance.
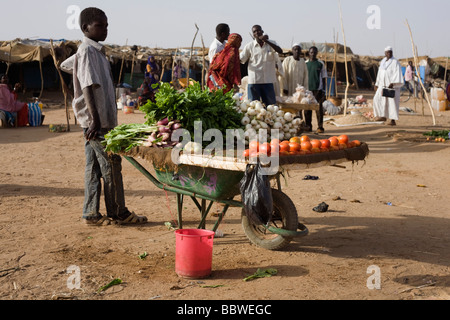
(173, 63)
(190, 56)
(333, 73)
(420, 79)
(346, 66)
(203, 64)
(42, 77)
(9, 57)
(121, 67)
(63, 84)
(445, 75)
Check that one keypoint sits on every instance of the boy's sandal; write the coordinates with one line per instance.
(133, 219)
(100, 222)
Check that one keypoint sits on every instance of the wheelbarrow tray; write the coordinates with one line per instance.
(216, 184)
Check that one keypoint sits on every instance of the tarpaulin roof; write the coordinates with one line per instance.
(20, 51)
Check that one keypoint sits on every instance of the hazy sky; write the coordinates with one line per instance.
(171, 24)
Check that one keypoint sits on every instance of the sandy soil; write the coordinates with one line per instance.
(41, 233)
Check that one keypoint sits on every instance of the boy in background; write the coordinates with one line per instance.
(96, 110)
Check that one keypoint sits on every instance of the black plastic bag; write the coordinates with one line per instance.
(256, 195)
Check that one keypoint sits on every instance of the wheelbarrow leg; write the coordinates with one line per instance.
(219, 220)
(204, 212)
(180, 210)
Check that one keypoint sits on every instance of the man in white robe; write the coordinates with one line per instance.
(295, 71)
(389, 76)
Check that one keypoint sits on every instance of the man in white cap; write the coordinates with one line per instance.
(389, 76)
(295, 71)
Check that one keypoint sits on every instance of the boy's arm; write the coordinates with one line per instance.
(95, 126)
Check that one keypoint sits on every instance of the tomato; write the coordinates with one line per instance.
(357, 143)
(315, 150)
(325, 143)
(254, 146)
(294, 146)
(334, 148)
(334, 141)
(275, 142)
(295, 140)
(264, 148)
(284, 147)
(316, 143)
(247, 153)
(342, 146)
(304, 139)
(343, 139)
(322, 149)
(306, 145)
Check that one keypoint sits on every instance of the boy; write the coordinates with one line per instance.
(95, 108)
(317, 79)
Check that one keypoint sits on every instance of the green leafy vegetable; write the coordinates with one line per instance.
(143, 256)
(438, 134)
(262, 274)
(127, 136)
(214, 108)
(109, 285)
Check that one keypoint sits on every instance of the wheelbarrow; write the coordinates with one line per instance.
(218, 181)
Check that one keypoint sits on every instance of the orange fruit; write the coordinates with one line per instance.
(357, 143)
(334, 141)
(284, 147)
(295, 140)
(306, 145)
(254, 146)
(304, 139)
(316, 144)
(343, 139)
(334, 148)
(265, 148)
(294, 147)
(325, 143)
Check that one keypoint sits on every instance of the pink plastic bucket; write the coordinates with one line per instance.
(193, 254)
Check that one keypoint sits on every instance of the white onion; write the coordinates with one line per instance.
(245, 120)
(288, 116)
(251, 112)
(277, 125)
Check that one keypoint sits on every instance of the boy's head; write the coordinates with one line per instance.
(94, 24)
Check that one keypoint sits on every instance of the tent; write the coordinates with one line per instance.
(32, 62)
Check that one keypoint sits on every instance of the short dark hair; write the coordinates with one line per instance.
(221, 28)
(89, 16)
(314, 48)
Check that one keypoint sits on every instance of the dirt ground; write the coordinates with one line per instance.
(42, 235)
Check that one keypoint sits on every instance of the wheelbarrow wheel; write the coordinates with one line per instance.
(284, 217)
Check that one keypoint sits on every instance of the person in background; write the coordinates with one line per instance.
(152, 70)
(295, 72)
(389, 76)
(225, 70)
(317, 82)
(218, 44)
(11, 109)
(409, 78)
(262, 74)
(96, 110)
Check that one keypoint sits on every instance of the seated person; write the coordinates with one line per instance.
(12, 109)
(148, 93)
